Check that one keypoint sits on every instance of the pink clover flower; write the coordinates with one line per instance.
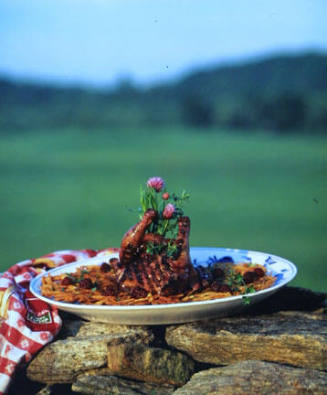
(156, 183)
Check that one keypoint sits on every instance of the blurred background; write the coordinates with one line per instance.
(227, 100)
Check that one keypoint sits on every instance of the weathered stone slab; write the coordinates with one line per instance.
(298, 339)
(154, 365)
(111, 385)
(61, 361)
(80, 328)
(256, 377)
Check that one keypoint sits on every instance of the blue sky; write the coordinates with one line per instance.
(98, 41)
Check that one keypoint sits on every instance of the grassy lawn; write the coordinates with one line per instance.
(72, 189)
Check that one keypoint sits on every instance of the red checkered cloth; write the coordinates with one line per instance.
(26, 322)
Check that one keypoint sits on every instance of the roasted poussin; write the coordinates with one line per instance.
(140, 270)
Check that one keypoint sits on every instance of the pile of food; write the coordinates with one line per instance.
(154, 265)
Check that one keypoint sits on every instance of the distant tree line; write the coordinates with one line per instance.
(286, 94)
(283, 113)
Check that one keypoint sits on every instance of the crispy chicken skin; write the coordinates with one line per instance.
(140, 271)
(133, 238)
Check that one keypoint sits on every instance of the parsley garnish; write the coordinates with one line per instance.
(151, 199)
(250, 289)
(246, 300)
(168, 249)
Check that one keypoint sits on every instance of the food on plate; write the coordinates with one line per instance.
(95, 285)
(154, 265)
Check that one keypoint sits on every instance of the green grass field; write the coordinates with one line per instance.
(73, 189)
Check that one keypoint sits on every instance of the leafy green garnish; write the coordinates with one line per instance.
(150, 199)
(234, 280)
(250, 289)
(246, 300)
(168, 249)
(171, 249)
(153, 248)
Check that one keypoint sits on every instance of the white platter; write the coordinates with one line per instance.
(283, 269)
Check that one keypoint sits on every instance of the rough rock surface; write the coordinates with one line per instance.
(289, 327)
(111, 385)
(62, 360)
(256, 377)
(79, 328)
(294, 338)
(154, 365)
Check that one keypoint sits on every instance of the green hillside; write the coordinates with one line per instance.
(282, 93)
(266, 77)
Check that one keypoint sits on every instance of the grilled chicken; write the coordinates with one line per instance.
(132, 239)
(139, 271)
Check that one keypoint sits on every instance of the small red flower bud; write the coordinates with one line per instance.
(165, 196)
(168, 211)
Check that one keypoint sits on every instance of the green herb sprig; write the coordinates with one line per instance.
(152, 199)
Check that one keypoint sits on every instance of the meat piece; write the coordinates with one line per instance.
(156, 272)
(133, 237)
(183, 260)
(153, 238)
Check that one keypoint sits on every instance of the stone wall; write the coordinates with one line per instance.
(279, 346)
